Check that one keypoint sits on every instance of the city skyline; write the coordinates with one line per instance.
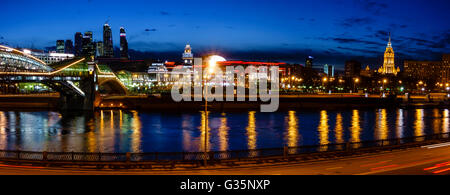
(332, 32)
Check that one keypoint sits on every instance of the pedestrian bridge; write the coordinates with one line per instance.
(75, 78)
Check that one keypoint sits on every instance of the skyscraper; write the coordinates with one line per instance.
(68, 47)
(309, 62)
(99, 49)
(60, 46)
(78, 43)
(88, 48)
(389, 63)
(123, 44)
(329, 70)
(108, 47)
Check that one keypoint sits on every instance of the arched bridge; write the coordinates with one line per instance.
(76, 80)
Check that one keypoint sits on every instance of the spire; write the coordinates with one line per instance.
(389, 43)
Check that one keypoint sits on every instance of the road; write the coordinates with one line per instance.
(428, 160)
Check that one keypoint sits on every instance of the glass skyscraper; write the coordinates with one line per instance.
(108, 47)
(78, 43)
(123, 44)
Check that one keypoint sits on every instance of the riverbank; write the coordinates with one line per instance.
(286, 102)
(416, 159)
(404, 162)
(29, 102)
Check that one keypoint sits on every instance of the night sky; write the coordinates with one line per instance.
(330, 30)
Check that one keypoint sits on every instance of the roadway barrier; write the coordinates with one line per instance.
(196, 159)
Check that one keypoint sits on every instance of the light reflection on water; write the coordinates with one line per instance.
(323, 129)
(419, 124)
(356, 127)
(381, 130)
(445, 123)
(339, 129)
(251, 131)
(400, 124)
(292, 129)
(132, 131)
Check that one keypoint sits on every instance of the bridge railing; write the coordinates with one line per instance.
(284, 152)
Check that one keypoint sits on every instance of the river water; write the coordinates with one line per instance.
(133, 131)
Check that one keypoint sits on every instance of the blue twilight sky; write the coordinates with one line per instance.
(285, 30)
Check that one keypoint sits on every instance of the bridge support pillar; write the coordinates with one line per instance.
(76, 102)
(88, 87)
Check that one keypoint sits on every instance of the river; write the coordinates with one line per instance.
(133, 131)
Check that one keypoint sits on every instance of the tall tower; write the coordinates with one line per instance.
(389, 61)
(99, 49)
(188, 56)
(309, 62)
(78, 43)
(108, 48)
(68, 47)
(88, 48)
(123, 44)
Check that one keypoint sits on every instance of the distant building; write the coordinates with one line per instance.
(49, 58)
(51, 49)
(366, 72)
(99, 49)
(352, 68)
(309, 62)
(446, 67)
(60, 47)
(389, 61)
(88, 48)
(108, 47)
(68, 47)
(438, 71)
(117, 64)
(188, 56)
(123, 44)
(78, 44)
(329, 70)
(157, 68)
(262, 67)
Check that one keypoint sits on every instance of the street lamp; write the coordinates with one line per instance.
(325, 80)
(211, 68)
(384, 83)
(354, 84)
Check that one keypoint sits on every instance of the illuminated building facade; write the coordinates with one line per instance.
(366, 72)
(389, 61)
(157, 67)
(188, 56)
(108, 48)
(50, 58)
(123, 44)
(88, 48)
(329, 70)
(260, 66)
(99, 49)
(437, 71)
(60, 46)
